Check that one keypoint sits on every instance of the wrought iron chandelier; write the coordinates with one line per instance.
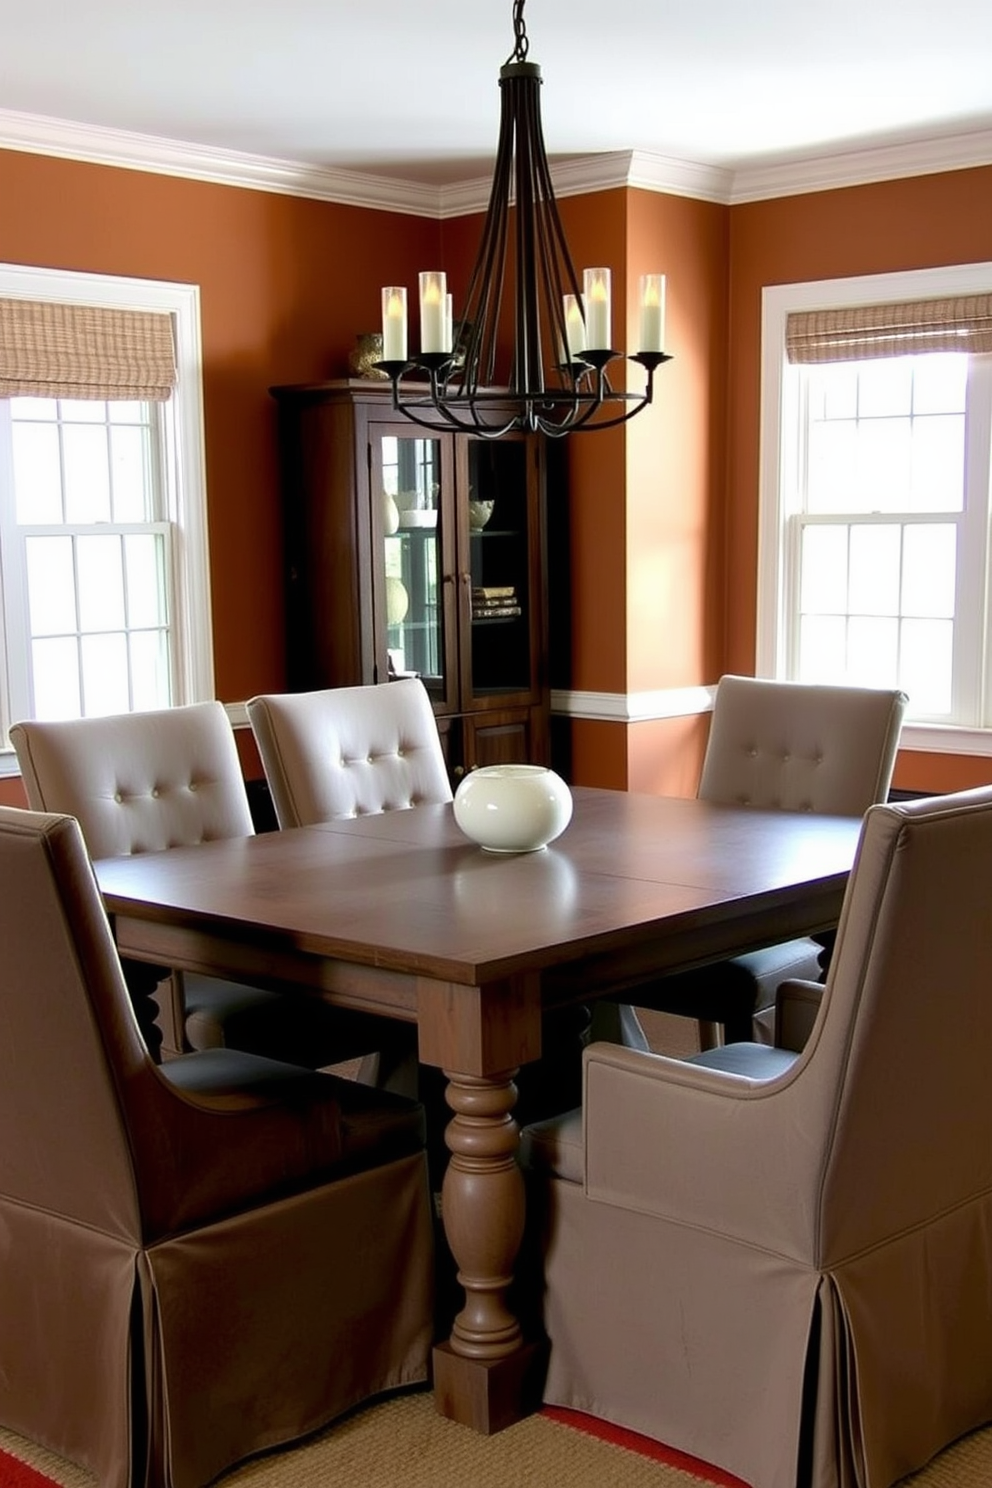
(557, 379)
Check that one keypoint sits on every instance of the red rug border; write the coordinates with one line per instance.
(17, 1474)
(645, 1446)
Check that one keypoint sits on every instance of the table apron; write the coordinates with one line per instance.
(371, 989)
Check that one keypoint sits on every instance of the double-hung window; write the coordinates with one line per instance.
(104, 601)
(875, 561)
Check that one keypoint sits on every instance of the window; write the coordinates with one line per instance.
(874, 551)
(104, 599)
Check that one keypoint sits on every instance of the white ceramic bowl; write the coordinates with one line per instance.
(513, 808)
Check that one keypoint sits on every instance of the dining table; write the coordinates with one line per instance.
(400, 914)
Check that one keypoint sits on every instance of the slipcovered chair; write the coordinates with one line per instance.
(780, 746)
(349, 751)
(786, 1271)
(144, 782)
(202, 1259)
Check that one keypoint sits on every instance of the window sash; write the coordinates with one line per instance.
(184, 494)
(969, 730)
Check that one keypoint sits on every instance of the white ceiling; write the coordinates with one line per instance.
(408, 88)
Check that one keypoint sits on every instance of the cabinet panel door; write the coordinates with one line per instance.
(512, 736)
(413, 569)
(500, 520)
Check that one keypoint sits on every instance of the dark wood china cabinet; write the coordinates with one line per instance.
(417, 550)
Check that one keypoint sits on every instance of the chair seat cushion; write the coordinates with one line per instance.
(755, 1061)
(554, 1147)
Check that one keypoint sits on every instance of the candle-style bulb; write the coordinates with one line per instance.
(394, 323)
(575, 327)
(596, 287)
(433, 298)
(651, 336)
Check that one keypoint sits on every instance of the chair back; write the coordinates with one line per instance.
(349, 751)
(63, 1007)
(900, 1054)
(138, 782)
(790, 746)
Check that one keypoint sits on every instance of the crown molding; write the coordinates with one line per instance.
(798, 176)
(97, 145)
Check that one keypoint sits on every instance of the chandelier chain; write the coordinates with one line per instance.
(521, 45)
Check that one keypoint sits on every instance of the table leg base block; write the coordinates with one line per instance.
(489, 1396)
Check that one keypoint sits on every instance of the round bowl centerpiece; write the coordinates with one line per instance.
(513, 808)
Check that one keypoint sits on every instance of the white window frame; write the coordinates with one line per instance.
(184, 459)
(778, 420)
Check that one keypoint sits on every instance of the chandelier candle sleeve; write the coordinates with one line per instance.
(596, 284)
(433, 297)
(394, 323)
(652, 318)
(575, 327)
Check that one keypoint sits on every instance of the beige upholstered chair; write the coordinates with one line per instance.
(348, 751)
(144, 782)
(790, 1277)
(781, 746)
(202, 1259)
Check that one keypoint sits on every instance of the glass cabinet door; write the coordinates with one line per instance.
(500, 550)
(410, 612)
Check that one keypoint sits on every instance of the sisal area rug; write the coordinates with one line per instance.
(404, 1443)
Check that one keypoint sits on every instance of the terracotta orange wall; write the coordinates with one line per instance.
(923, 222)
(285, 284)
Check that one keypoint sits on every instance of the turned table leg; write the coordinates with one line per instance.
(484, 1375)
(483, 1211)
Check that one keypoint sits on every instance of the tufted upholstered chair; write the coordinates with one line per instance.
(780, 746)
(144, 782)
(201, 1259)
(349, 751)
(786, 1270)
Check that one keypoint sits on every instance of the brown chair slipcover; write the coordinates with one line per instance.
(791, 1277)
(199, 1260)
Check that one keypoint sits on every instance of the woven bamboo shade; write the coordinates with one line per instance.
(860, 332)
(51, 350)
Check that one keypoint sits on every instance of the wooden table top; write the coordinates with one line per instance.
(406, 891)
